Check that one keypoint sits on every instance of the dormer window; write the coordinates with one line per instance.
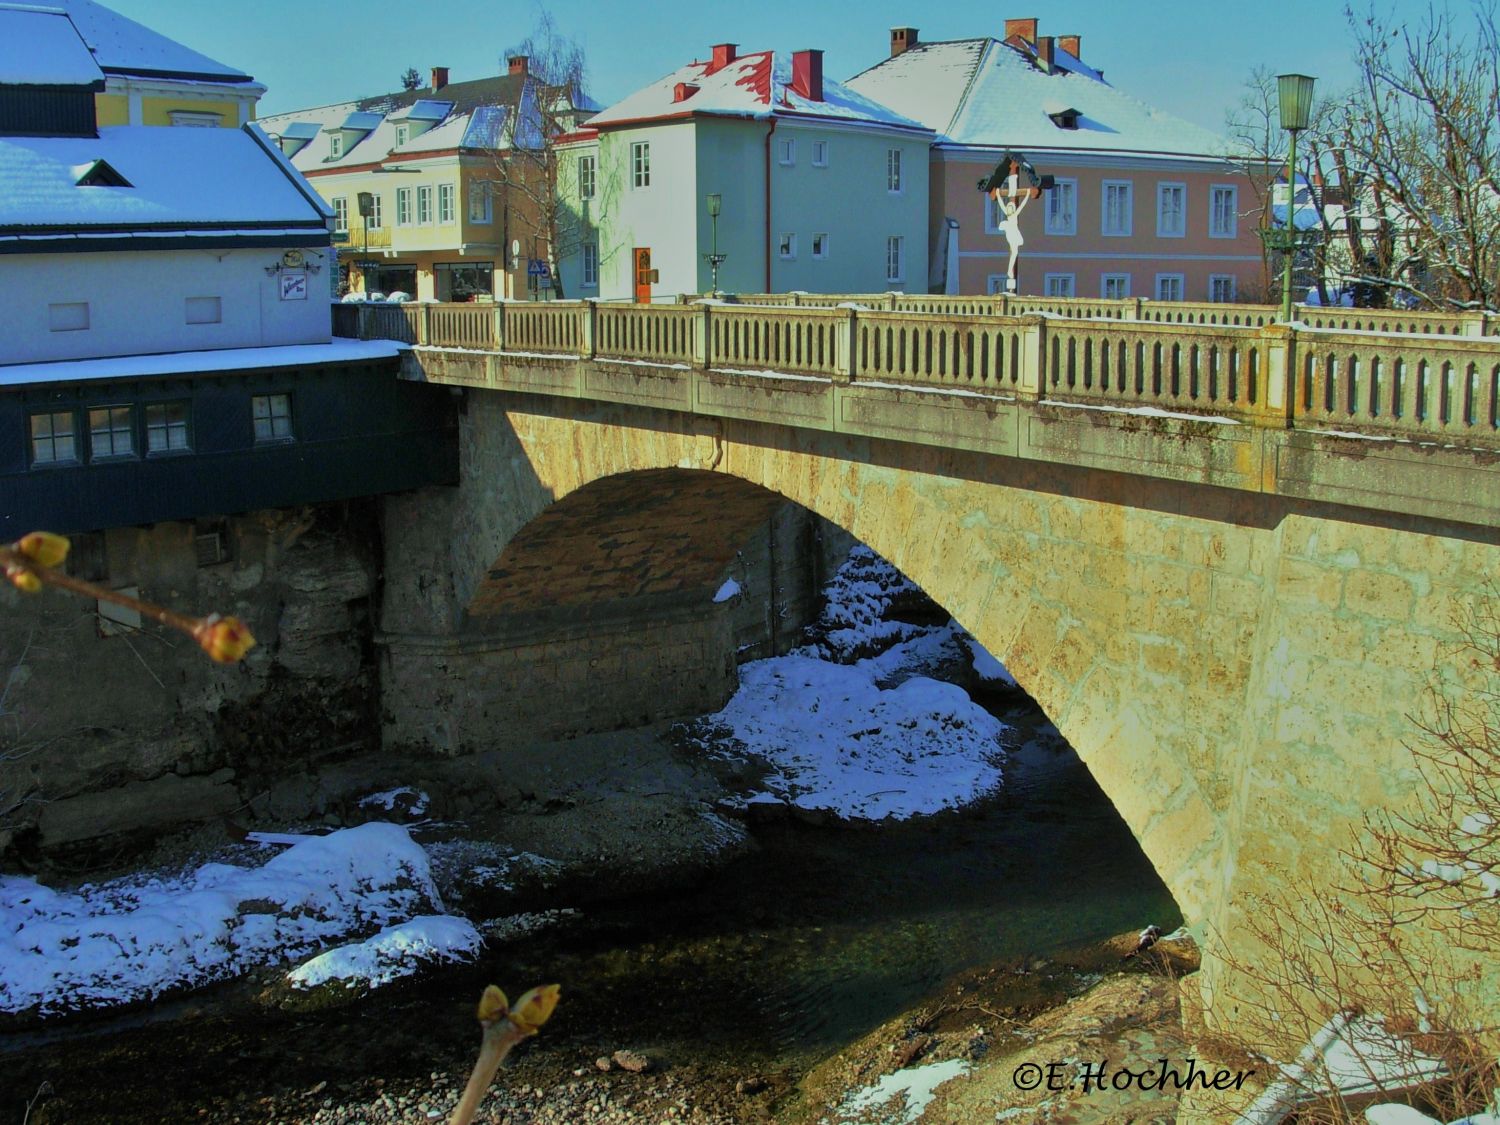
(98, 173)
(403, 134)
(1065, 118)
(335, 146)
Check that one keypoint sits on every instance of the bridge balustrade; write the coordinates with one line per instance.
(974, 353)
(1182, 367)
(1402, 383)
(1421, 387)
(663, 333)
(798, 341)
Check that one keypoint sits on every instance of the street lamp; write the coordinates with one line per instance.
(1294, 94)
(715, 259)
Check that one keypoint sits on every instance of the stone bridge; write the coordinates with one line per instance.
(1226, 559)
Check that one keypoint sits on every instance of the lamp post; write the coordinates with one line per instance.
(1294, 93)
(715, 259)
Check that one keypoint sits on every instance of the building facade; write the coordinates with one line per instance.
(1142, 204)
(165, 338)
(818, 188)
(429, 186)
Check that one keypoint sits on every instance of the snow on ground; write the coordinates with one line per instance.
(392, 953)
(730, 589)
(836, 741)
(847, 723)
(916, 1086)
(134, 939)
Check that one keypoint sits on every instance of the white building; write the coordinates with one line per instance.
(819, 188)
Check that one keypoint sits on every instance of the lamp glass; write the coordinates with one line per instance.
(1294, 95)
(715, 202)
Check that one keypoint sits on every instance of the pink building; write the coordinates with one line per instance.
(1145, 205)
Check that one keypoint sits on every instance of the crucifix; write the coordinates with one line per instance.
(1006, 188)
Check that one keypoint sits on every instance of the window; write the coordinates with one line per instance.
(640, 164)
(786, 151)
(204, 310)
(586, 180)
(424, 206)
(893, 169)
(72, 316)
(1171, 210)
(1062, 208)
(1169, 287)
(446, 209)
(820, 154)
(1221, 287)
(481, 203)
(590, 265)
(462, 281)
(1114, 286)
(786, 246)
(1058, 284)
(167, 427)
(111, 432)
(52, 438)
(375, 219)
(1116, 219)
(820, 246)
(340, 213)
(272, 415)
(895, 264)
(1223, 211)
(995, 283)
(403, 206)
(335, 146)
(403, 134)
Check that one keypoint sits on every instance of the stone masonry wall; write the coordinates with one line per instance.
(111, 734)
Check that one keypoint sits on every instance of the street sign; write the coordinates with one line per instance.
(536, 267)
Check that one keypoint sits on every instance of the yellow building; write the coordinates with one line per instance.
(421, 203)
(151, 80)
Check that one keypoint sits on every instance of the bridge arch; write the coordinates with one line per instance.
(1234, 669)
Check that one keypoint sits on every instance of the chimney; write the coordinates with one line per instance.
(723, 55)
(1072, 44)
(1044, 46)
(1026, 29)
(439, 77)
(807, 74)
(903, 39)
(683, 91)
(518, 65)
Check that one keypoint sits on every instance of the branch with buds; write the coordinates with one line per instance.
(31, 563)
(504, 1027)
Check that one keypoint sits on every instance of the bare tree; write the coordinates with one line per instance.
(1255, 137)
(411, 78)
(528, 174)
(1421, 137)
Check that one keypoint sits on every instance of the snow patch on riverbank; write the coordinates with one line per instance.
(134, 939)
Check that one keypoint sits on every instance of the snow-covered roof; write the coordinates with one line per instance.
(426, 109)
(995, 94)
(467, 115)
(122, 46)
(41, 47)
(339, 350)
(203, 177)
(758, 84)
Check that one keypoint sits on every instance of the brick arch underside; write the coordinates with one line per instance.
(626, 508)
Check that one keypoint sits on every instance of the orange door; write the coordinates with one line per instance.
(643, 275)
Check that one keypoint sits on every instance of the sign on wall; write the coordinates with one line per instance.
(293, 286)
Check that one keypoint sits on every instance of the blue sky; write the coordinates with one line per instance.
(1189, 58)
